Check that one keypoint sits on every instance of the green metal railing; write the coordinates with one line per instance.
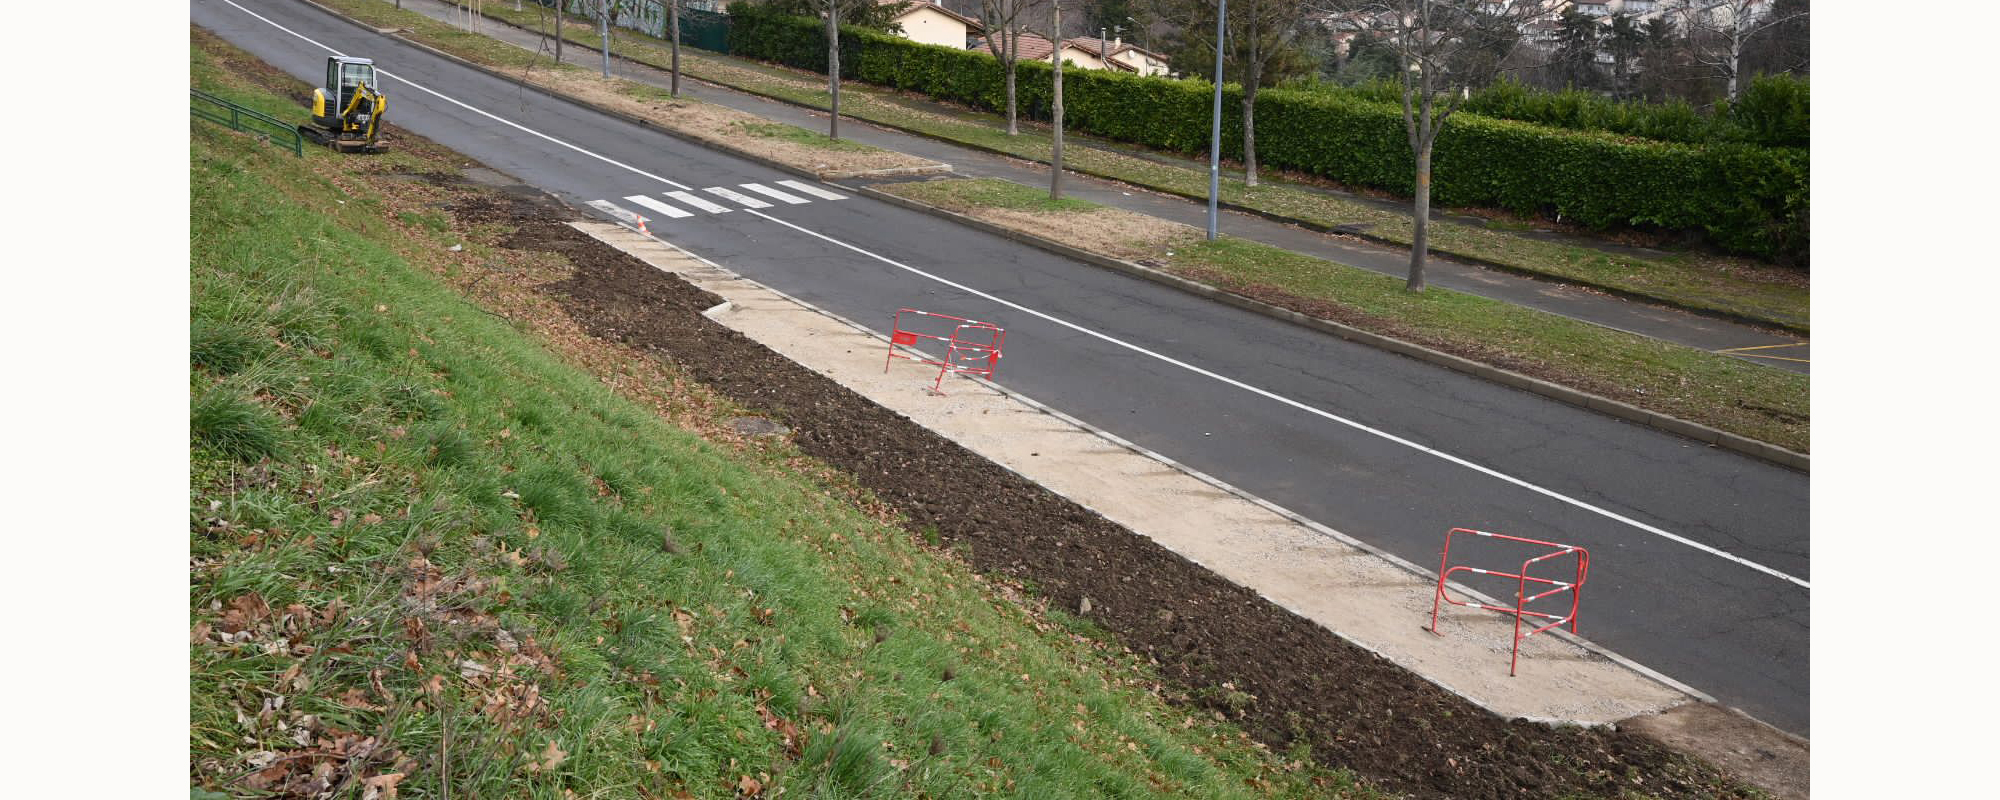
(263, 126)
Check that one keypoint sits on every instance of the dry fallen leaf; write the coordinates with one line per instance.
(551, 758)
(381, 787)
(749, 786)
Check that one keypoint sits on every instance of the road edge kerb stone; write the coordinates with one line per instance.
(1629, 294)
(1604, 405)
(396, 33)
(1692, 694)
(1698, 432)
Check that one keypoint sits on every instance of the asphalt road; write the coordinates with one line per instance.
(1698, 554)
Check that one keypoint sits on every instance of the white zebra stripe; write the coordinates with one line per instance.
(770, 192)
(712, 208)
(812, 190)
(726, 193)
(658, 206)
(615, 211)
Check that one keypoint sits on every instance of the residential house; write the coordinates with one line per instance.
(932, 23)
(1083, 54)
(1121, 55)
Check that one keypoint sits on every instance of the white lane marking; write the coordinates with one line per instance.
(770, 192)
(616, 212)
(656, 205)
(812, 190)
(712, 208)
(1106, 337)
(1309, 409)
(439, 95)
(728, 194)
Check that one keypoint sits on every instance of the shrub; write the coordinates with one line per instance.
(1774, 110)
(1744, 197)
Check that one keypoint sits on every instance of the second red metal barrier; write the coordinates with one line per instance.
(971, 347)
(1521, 579)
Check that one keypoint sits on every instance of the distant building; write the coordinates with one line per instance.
(932, 23)
(1083, 53)
(1122, 55)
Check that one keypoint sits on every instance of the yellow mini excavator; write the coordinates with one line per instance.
(347, 111)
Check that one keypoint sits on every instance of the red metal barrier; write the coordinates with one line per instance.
(972, 347)
(1522, 579)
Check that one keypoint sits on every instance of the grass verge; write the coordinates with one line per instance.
(431, 554)
(1735, 286)
(707, 122)
(1761, 403)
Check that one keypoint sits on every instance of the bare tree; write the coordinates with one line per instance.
(1004, 25)
(1722, 29)
(834, 11)
(1431, 39)
(1266, 30)
(1261, 48)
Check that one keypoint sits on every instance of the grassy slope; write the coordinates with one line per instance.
(1723, 284)
(1683, 381)
(426, 552)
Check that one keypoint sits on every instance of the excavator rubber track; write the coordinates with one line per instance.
(320, 137)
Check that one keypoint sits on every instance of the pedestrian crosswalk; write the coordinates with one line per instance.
(637, 209)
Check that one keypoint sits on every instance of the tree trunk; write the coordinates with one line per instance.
(1055, 154)
(1013, 127)
(1420, 242)
(1253, 73)
(1735, 57)
(833, 68)
(1250, 122)
(559, 33)
(674, 83)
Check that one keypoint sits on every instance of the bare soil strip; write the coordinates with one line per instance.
(1225, 649)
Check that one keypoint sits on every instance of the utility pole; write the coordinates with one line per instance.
(1215, 126)
(605, 33)
(1055, 154)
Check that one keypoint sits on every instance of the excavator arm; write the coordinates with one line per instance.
(363, 114)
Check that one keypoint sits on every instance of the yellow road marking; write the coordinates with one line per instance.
(1762, 347)
(1773, 358)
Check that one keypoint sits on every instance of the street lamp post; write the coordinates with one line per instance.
(1215, 126)
(604, 32)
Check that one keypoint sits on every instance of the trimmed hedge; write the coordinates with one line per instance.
(1744, 198)
(1774, 111)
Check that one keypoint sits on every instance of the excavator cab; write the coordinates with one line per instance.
(347, 110)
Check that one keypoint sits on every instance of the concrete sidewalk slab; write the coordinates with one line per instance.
(1369, 598)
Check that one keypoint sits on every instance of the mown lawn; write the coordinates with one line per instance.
(1727, 393)
(1730, 285)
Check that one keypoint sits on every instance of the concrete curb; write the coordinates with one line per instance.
(920, 169)
(1427, 575)
(1337, 230)
(1625, 411)
(1274, 217)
